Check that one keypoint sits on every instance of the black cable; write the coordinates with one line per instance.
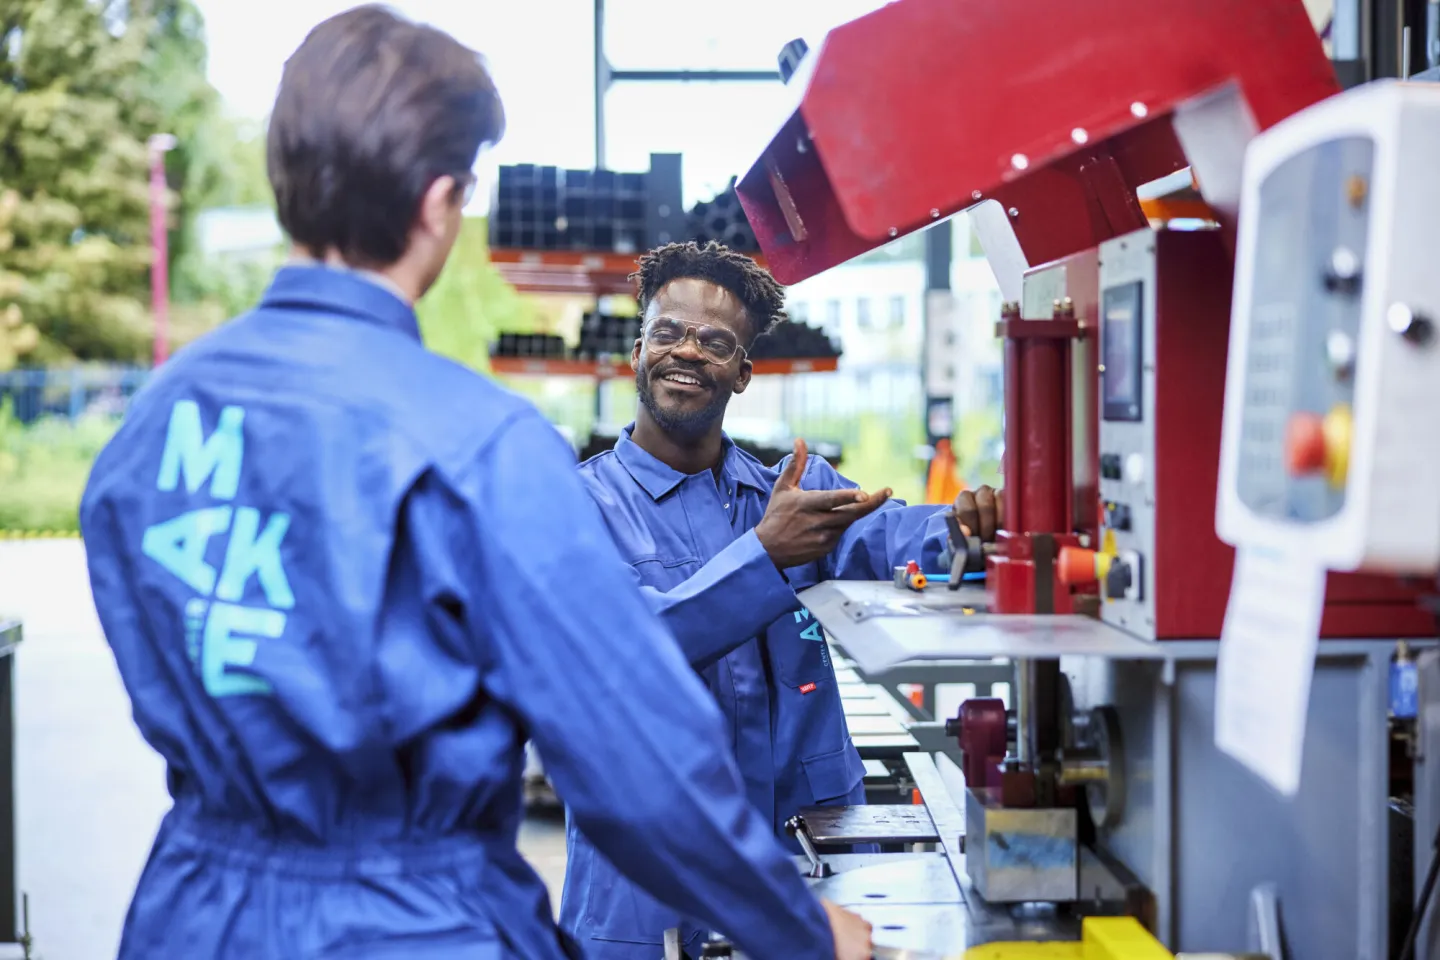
(1407, 952)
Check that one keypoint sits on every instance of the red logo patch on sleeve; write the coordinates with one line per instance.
(809, 687)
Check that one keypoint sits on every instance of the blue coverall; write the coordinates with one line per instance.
(344, 581)
(692, 544)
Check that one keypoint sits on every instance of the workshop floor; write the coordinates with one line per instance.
(90, 792)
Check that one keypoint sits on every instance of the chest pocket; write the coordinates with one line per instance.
(798, 646)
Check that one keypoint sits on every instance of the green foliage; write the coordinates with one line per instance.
(471, 302)
(83, 85)
(43, 468)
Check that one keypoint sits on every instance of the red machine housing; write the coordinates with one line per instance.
(1050, 377)
(1058, 110)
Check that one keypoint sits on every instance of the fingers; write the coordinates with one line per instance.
(825, 501)
(795, 469)
(988, 511)
(967, 511)
(847, 514)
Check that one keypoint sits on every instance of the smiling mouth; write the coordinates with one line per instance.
(683, 379)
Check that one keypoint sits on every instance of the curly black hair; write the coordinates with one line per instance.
(761, 295)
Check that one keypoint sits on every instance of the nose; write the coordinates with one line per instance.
(689, 348)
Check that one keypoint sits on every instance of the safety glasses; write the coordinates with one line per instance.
(718, 345)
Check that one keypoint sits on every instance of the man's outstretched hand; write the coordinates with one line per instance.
(801, 526)
(981, 512)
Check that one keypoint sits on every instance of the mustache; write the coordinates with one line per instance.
(679, 366)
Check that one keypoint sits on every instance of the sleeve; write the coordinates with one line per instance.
(702, 612)
(631, 739)
(890, 537)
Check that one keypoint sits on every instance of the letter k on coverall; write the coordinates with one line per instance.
(344, 580)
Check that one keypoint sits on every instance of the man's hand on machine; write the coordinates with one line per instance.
(801, 526)
(851, 933)
(981, 512)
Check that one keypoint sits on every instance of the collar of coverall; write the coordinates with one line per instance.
(310, 285)
(658, 479)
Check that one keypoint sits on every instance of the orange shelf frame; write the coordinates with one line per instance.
(606, 370)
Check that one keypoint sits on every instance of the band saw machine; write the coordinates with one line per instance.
(1184, 404)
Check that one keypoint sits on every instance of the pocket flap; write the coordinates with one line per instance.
(832, 776)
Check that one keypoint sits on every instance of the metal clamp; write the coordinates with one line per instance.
(819, 869)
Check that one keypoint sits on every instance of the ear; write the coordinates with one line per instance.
(437, 207)
(635, 356)
(743, 379)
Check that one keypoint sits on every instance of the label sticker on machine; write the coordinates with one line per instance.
(1267, 659)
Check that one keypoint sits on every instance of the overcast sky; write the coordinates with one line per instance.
(541, 53)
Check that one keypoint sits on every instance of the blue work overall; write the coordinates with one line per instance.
(344, 581)
(691, 542)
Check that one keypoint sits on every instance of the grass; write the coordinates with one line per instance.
(43, 469)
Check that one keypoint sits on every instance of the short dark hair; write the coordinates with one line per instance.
(750, 283)
(372, 109)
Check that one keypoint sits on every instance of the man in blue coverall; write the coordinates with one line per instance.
(721, 544)
(344, 580)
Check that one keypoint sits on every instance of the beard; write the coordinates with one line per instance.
(687, 424)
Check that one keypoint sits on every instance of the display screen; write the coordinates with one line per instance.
(1121, 333)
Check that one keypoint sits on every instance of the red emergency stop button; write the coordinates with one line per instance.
(1305, 446)
(1076, 566)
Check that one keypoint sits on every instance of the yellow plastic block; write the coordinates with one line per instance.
(1026, 951)
(1120, 938)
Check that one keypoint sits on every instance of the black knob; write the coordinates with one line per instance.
(790, 56)
(717, 948)
(1119, 579)
(1342, 273)
(953, 726)
(1414, 327)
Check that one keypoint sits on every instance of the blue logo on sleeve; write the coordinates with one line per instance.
(220, 632)
(813, 632)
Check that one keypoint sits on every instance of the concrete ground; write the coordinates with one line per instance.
(90, 791)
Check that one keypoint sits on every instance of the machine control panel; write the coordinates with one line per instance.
(1329, 441)
(1127, 433)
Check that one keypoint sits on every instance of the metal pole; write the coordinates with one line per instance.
(1024, 711)
(159, 144)
(602, 83)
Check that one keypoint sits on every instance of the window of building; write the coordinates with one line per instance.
(832, 317)
(799, 312)
(897, 311)
(862, 313)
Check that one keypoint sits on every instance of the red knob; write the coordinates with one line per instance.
(1305, 447)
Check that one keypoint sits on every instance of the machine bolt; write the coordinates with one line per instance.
(975, 194)
(1014, 212)
(1414, 327)
(1079, 135)
(1019, 161)
(894, 231)
(1139, 109)
(934, 212)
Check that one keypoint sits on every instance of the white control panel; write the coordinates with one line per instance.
(1331, 437)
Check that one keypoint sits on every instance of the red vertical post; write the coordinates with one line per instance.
(160, 246)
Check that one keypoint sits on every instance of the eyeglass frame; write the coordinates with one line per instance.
(691, 328)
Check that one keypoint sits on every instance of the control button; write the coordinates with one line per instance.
(1340, 351)
(1135, 468)
(1110, 466)
(1319, 445)
(1342, 274)
(1117, 516)
(1414, 327)
(1118, 580)
(1076, 565)
(1305, 444)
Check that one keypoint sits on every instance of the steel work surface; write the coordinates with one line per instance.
(870, 823)
(878, 626)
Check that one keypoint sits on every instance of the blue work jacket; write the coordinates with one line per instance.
(344, 580)
(691, 542)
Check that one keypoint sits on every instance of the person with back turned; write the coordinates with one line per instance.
(344, 581)
(720, 545)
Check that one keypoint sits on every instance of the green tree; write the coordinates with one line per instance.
(73, 130)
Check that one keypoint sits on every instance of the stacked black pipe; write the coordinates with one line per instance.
(723, 220)
(531, 345)
(546, 208)
(794, 341)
